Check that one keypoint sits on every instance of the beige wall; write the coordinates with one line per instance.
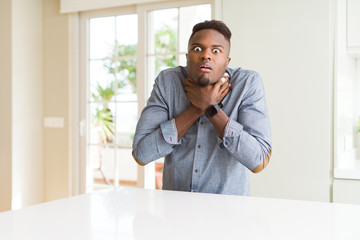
(5, 105)
(34, 162)
(56, 97)
(289, 44)
(21, 146)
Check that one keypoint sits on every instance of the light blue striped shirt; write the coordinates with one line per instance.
(201, 161)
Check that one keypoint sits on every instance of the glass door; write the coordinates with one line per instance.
(111, 101)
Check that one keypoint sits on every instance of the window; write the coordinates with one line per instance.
(111, 100)
(125, 48)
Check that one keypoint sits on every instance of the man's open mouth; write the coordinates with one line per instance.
(205, 67)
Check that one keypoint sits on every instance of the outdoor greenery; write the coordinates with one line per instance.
(123, 70)
(165, 43)
(121, 65)
(103, 118)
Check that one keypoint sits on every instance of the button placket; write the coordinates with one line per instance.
(198, 153)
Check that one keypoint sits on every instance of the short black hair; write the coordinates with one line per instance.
(213, 24)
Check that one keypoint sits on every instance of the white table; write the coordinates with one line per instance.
(132, 213)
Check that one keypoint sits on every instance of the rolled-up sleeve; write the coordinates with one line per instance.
(248, 138)
(155, 133)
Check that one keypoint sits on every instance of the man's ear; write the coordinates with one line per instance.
(187, 59)
(228, 61)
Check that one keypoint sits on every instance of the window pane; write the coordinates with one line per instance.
(126, 76)
(102, 127)
(126, 117)
(102, 163)
(158, 63)
(126, 97)
(182, 60)
(162, 31)
(121, 68)
(102, 36)
(188, 17)
(101, 81)
(127, 167)
(126, 30)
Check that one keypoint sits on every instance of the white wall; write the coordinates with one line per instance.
(5, 105)
(289, 44)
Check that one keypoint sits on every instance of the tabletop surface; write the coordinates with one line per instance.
(134, 213)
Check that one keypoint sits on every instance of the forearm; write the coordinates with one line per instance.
(186, 119)
(150, 147)
(219, 122)
(250, 149)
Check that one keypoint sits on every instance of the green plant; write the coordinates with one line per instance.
(103, 119)
(124, 73)
(165, 43)
(123, 70)
(358, 127)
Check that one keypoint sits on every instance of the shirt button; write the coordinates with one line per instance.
(196, 170)
(226, 143)
(201, 123)
(199, 146)
(174, 146)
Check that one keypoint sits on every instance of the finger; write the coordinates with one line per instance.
(186, 88)
(226, 76)
(219, 83)
(223, 94)
(223, 87)
(189, 80)
(190, 83)
(226, 90)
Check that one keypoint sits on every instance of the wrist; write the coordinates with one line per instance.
(212, 110)
(196, 111)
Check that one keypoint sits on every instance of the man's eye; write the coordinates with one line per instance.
(216, 50)
(197, 49)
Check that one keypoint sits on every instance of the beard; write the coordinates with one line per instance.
(203, 81)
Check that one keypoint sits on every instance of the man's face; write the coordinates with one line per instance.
(208, 56)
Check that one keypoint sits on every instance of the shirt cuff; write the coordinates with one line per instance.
(169, 132)
(232, 129)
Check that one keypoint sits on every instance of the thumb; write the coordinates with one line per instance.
(221, 81)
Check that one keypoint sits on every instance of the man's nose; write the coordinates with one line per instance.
(206, 55)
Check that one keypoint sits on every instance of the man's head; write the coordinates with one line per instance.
(208, 52)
